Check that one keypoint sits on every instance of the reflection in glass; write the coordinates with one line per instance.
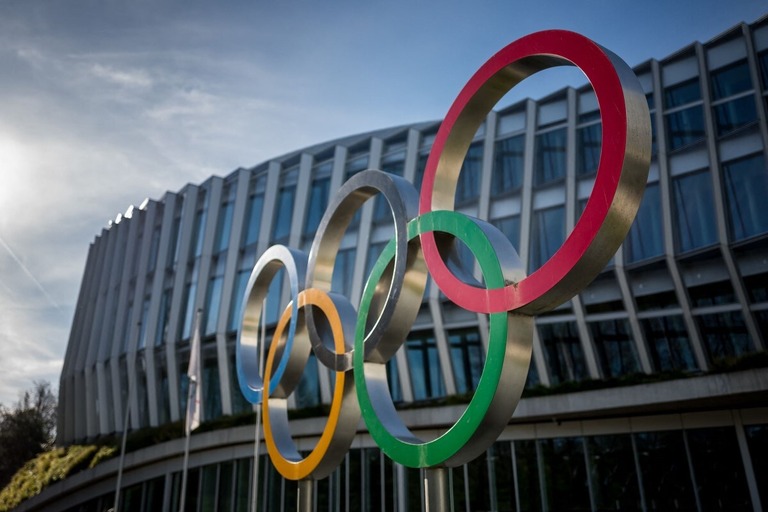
(307, 392)
(508, 164)
(510, 226)
(223, 227)
(694, 210)
(423, 362)
(468, 186)
(550, 156)
(682, 93)
(612, 472)
(746, 181)
(565, 473)
(757, 440)
(664, 469)
(563, 351)
(528, 483)
(318, 202)
(547, 234)
(281, 225)
(467, 358)
(343, 271)
(725, 334)
(669, 343)
(685, 127)
(615, 347)
(588, 144)
(735, 114)
(253, 218)
(717, 466)
(646, 238)
(730, 80)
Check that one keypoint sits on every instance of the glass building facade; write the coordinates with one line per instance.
(628, 405)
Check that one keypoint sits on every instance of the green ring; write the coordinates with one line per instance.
(402, 446)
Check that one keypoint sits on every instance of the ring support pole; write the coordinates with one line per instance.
(435, 489)
(304, 496)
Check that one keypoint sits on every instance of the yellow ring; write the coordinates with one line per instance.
(292, 466)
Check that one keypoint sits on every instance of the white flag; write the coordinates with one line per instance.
(194, 372)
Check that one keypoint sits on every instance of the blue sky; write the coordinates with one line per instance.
(105, 103)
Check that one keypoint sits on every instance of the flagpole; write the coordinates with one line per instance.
(192, 417)
(264, 395)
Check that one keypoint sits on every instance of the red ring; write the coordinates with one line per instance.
(542, 49)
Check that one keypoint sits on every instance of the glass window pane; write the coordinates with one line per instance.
(307, 392)
(468, 186)
(612, 472)
(757, 440)
(646, 238)
(281, 225)
(550, 156)
(730, 80)
(725, 335)
(695, 215)
(565, 473)
(735, 114)
(664, 468)
(253, 219)
(510, 226)
(762, 59)
(669, 343)
(318, 202)
(615, 347)
(682, 93)
(685, 127)
(508, 164)
(212, 303)
(563, 352)
(528, 482)
(238, 293)
(423, 362)
(547, 234)
(211, 386)
(343, 272)
(588, 144)
(746, 181)
(467, 358)
(718, 468)
(502, 477)
(223, 227)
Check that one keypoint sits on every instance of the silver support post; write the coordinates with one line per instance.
(435, 489)
(304, 496)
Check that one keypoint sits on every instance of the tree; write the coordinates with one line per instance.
(27, 429)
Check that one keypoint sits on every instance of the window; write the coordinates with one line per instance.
(613, 472)
(547, 234)
(588, 143)
(685, 127)
(223, 227)
(550, 156)
(343, 271)
(669, 343)
(666, 477)
(762, 60)
(467, 358)
(197, 241)
(730, 80)
(356, 161)
(615, 347)
(238, 293)
(510, 226)
(281, 225)
(508, 164)
(718, 468)
(190, 290)
(211, 387)
(318, 202)
(468, 186)
(307, 392)
(646, 238)
(164, 312)
(424, 364)
(757, 439)
(682, 93)
(725, 335)
(712, 294)
(746, 181)
(212, 303)
(694, 213)
(143, 323)
(565, 473)
(563, 352)
(735, 114)
(253, 215)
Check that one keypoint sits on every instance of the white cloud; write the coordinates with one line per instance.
(133, 78)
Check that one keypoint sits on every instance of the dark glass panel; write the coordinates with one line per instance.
(510, 226)
(730, 80)
(527, 465)
(508, 164)
(153, 494)
(746, 181)
(468, 186)
(613, 473)
(393, 379)
(211, 386)
(762, 60)
(253, 219)
(757, 440)
(547, 235)
(243, 485)
(208, 489)
(712, 294)
(223, 228)
(719, 471)
(565, 473)
(307, 392)
(588, 144)
(665, 473)
(318, 202)
(532, 380)
(502, 477)
(423, 361)
(669, 343)
(646, 238)
(615, 347)
(735, 114)
(685, 127)
(281, 224)
(695, 215)
(343, 271)
(563, 351)
(662, 300)
(725, 334)
(479, 487)
(550, 156)
(467, 358)
(682, 93)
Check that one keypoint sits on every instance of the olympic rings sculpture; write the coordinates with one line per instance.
(356, 345)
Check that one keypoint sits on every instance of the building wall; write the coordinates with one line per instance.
(687, 291)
